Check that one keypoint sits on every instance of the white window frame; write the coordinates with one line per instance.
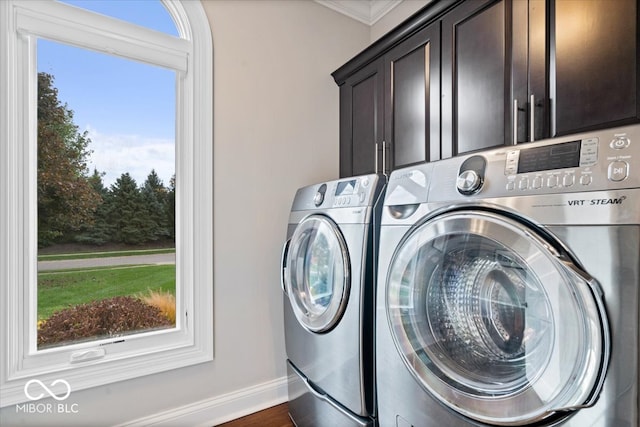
(84, 365)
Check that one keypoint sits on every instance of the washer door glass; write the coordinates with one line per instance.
(317, 274)
(492, 322)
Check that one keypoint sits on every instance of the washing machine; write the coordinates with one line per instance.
(329, 283)
(508, 287)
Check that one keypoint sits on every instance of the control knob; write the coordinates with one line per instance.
(318, 198)
(468, 182)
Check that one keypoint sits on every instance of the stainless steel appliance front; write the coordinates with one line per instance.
(508, 287)
(328, 279)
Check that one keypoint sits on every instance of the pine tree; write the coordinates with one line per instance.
(99, 232)
(154, 195)
(126, 212)
(170, 208)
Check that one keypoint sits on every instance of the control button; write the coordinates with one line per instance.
(511, 185)
(552, 181)
(511, 165)
(523, 184)
(589, 146)
(568, 180)
(362, 197)
(589, 152)
(343, 200)
(585, 179)
(365, 182)
(588, 160)
(618, 170)
(468, 182)
(620, 142)
(318, 199)
(536, 183)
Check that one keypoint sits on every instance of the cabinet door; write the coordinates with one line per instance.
(594, 73)
(412, 103)
(361, 121)
(476, 77)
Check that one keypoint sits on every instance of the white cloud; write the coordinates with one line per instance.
(117, 154)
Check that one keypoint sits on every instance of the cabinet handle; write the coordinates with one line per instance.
(532, 119)
(376, 158)
(384, 157)
(515, 122)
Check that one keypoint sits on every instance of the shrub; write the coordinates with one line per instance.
(100, 319)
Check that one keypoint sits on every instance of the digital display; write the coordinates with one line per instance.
(346, 188)
(559, 156)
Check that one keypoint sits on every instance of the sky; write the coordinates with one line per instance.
(127, 108)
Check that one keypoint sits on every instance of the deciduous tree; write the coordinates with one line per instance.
(66, 200)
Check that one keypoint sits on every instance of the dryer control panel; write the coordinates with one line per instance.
(597, 161)
(359, 191)
(352, 192)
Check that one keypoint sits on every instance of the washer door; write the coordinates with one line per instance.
(493, 322)
(317, 273)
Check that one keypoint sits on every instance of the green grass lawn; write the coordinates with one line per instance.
(61, 289)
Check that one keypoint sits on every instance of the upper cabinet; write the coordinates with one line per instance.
(412, 99)
(518, 71)
(390, 98)
(475, 71)
(593, 64)
(361, 120)
(461, 76)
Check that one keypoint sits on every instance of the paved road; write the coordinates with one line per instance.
(102, 262)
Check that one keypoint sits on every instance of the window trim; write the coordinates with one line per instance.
(191, 56)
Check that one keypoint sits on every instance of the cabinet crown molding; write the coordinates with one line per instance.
(366, 11)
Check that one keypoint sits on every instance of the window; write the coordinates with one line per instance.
(29, 29)
(105, 195)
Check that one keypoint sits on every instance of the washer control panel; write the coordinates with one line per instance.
(601, 160)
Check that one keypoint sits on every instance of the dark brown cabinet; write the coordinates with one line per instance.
(390, 108)
(518, 71)
(461, 76)
(475, 70)
(361, 121)
(412, 100)
(390, 98)
(593, 65)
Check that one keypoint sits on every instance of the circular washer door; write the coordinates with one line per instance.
(317, 276)
(493, 322)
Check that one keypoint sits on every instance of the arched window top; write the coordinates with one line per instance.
(147, 13)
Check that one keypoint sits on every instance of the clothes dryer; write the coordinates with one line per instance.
(508, 290)
(328, 279)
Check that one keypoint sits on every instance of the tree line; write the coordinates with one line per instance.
(75, 206)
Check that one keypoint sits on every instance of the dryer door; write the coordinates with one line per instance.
(494, 322)
(317, 273)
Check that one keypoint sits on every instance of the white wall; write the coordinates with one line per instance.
(275, 129)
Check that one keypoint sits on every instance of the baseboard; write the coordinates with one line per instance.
(219, 409)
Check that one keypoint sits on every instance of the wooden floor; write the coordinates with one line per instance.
(273, 417)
